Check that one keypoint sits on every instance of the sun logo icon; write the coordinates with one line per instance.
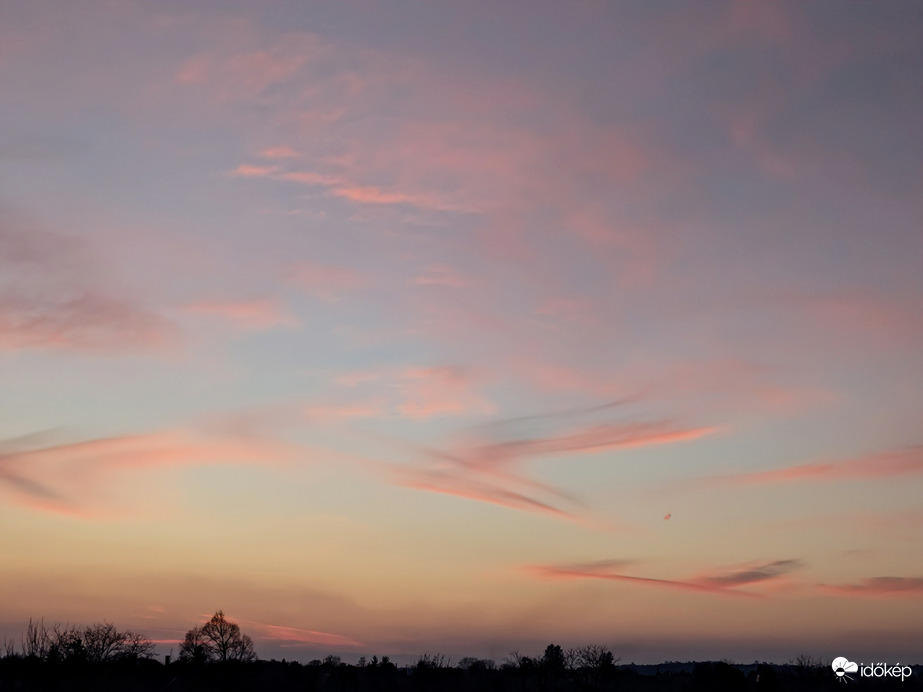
(841, 666)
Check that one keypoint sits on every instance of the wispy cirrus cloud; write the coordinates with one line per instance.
(326, 281)
(39, 493)
(279, 152)
(245, 314)
(296, 636)
(751, 574)
(470, 489)
(369, 194)
(411, 392)
(598, 438)
(903, 462)
(724, 582)
(54, 296)
(441, 390)
(489, 471)
(878, 587)
(235, 74)
(72, 478)
(558, 573)
(87, 321)
(442, 275)
(904, 523)
(349, 189)
(246, 170)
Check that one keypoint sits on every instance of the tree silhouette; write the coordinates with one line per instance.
(195, 647)
(219, 639)
(590, 665)
(553, 660)
(100, 642)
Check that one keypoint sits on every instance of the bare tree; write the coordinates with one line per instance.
(96, 643)
(36, 640)
(196, 647)
(135, 646)
(66, 644)
(597, 657)
(433, 661)
(590, 664)
(219, 639)
(518, 661)
(476, 664)
(102, 642)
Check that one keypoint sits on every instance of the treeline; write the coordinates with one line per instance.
(97, 643)
(218, 656)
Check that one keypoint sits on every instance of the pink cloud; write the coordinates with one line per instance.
(346, 188)
(472, 490)
(54, 296)
(442, 275)
(723, 582)
(752, 573)
(309, 178)
(246, 73)
(347, 411)
(560, 378)
(769, 21)
(375, 195)
(298, 636)
(338, 186)
(568, 312)
(44, 500)
(65, 477)
(885, 465)
(245, 170)
(466, 160)
(57, 292)
(485, 472)
(876, 587)
(727, 384)
(193, 71)
(327, 282)
(408, 392)
(279, 152)
(598, 438)
(90, 321)
(357, 377)
(905, 523)
(248, 314)
(563, 573)
(440, 390)
(878, 318)
(371, 195)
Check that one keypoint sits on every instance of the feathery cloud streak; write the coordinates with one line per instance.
(52, 296)
(245, 314)
(724, 583)
(62, 477)
(486, 472)
(878, 587)
(904, 462)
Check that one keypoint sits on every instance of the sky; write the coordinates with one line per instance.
(465, 327)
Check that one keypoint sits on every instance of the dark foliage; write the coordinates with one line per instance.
(99, 658)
